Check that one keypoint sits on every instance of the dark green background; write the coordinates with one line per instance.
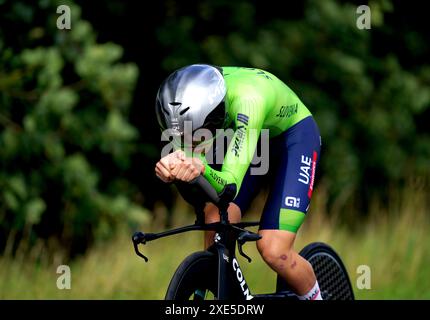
(78, 134)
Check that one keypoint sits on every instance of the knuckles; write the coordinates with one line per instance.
(191, 169)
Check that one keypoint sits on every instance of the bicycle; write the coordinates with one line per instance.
(216, 272)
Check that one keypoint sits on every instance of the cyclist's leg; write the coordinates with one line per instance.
(288, 203)
(278, 252)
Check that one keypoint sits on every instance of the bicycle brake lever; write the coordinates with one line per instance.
(139, 237)
(245, 237)
(243, 253)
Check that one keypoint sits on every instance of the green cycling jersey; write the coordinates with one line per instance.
(255, 100)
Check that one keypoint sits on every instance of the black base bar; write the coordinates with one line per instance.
(142, 237)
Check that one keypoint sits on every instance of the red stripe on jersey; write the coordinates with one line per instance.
(311, 184)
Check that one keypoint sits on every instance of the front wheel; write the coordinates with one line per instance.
(195, 278)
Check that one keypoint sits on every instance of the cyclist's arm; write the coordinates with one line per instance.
(249, 116)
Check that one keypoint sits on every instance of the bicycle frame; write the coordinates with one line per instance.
(224, 248)
(224, 245)
(230, 276)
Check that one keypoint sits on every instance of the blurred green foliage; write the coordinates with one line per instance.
(78, 135)
(65, 135)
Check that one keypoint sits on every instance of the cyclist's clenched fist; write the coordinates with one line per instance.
(164, 167)
(176, 166)
(188, 169)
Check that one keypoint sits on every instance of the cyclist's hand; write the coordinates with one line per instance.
(188, 169)
(164, 167)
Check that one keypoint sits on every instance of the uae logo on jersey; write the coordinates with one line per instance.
(307, 171)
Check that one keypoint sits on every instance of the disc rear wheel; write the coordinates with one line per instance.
(329, 270)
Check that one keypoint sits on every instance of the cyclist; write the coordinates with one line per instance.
(247, 100)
